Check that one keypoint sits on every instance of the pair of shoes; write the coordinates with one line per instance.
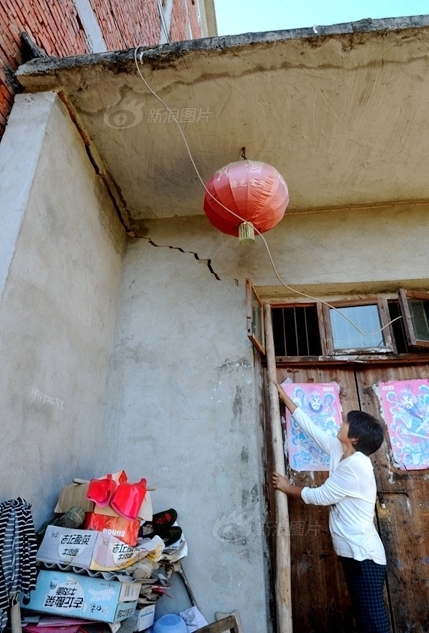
(125, 498)
(161, 525)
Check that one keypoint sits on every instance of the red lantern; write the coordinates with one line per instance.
(252, 190)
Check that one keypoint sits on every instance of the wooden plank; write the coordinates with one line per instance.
(226, 624)
(324, 341)
(282, 574)
(361, 359)
(408, 322)
(252, 298)
(385, 319)
(329, 341)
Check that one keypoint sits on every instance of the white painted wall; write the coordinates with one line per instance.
(61, 267)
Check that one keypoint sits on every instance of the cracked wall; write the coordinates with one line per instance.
(181, 410)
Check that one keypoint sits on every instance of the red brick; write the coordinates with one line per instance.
(54, 26)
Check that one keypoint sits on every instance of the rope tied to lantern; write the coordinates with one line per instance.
(244, 196)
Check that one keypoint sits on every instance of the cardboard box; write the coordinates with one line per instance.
(86, 549)
(81, 596)
(112, 554)
(74, 495)
(123, 529)
(144, 617)
(67, 546)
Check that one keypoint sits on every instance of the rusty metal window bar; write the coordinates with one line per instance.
(296, 331)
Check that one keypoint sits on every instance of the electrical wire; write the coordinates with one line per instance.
(293, 290)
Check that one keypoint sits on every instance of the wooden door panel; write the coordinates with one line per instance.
(320, 602)
(367, 376)
(402, 513)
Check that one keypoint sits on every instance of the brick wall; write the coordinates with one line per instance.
(184, 17)
(128, 23)
(193, 18)
(54, 25)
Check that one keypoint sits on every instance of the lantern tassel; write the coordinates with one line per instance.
(246, 233)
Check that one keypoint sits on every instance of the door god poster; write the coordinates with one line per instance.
(321, 402)
(405, 407)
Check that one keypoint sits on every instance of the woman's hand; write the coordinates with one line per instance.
(281, 483)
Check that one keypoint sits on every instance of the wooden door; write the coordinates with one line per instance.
(320, 602)
(402, 513)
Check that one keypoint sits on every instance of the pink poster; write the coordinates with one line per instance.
(321, 402)
(405, 406)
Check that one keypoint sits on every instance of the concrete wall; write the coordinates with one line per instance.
(60, 262)
(182, 410)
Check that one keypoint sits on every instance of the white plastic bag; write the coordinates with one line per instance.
(194, 619)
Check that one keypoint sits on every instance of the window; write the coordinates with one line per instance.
(415, 309)
(296, 331)
(255, 318)
(375, 326)
(358, 326)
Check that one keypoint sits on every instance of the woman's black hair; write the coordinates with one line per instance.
(366, 430)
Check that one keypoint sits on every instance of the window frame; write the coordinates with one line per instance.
(252, 295)
(383, 311)
(301, 304)
(410, 333)
(388, 354)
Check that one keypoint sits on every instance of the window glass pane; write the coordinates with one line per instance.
(257, 324)
(398, 329)
(346, 336)
(419, 315)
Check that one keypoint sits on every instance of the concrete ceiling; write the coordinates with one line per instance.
(342, 112)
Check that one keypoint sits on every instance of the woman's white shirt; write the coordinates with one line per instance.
(351, 491)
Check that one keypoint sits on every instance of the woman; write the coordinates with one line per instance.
(350, 490)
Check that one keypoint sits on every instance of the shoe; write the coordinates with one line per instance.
(128, 498)
(163, 521)
(172, 535)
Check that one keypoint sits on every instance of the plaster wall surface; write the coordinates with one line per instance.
(327, 109)
(183, 410)
(58, 306)
(378, 247)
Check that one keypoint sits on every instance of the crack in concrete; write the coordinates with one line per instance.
(111, 192)
(207, 262)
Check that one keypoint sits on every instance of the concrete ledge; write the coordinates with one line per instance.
(169, 52)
